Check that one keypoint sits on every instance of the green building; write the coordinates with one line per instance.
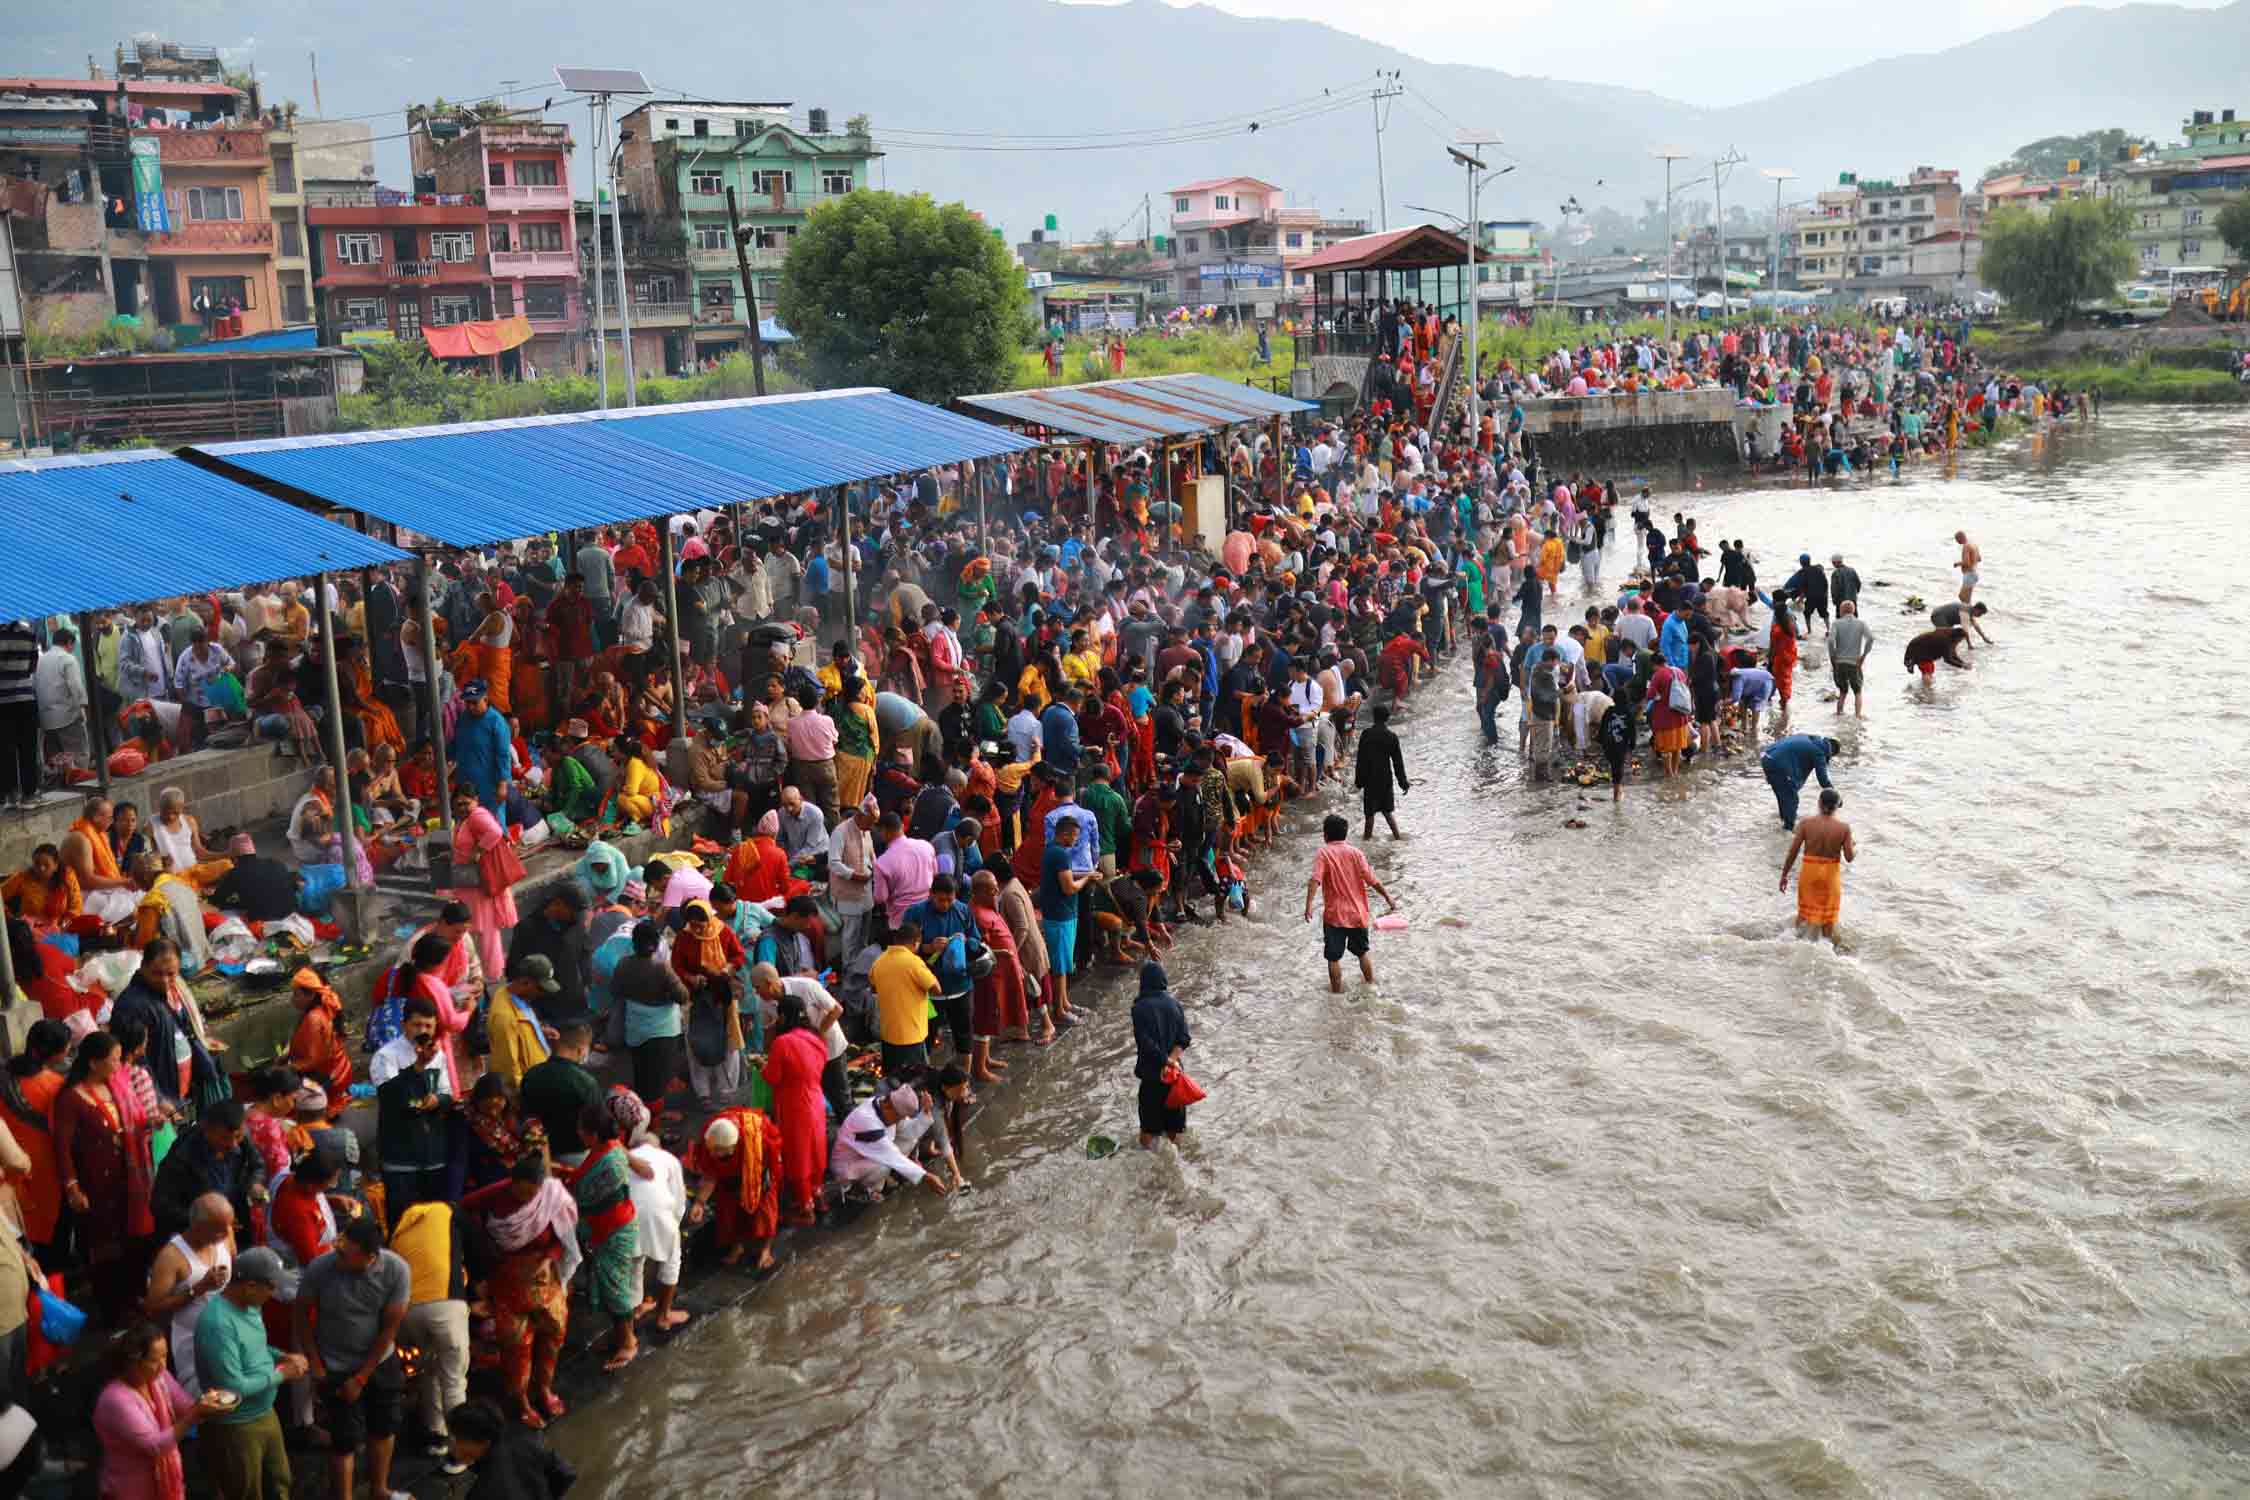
(679, 160)
(2172, 196)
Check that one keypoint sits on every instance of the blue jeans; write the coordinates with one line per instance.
(1784, 792)
(1488, 711)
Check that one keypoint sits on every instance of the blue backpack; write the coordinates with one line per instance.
(387, 1017)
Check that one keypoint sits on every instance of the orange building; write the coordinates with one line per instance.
(216, 263)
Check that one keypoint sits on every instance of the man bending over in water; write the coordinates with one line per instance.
(1965, 615)
(1926, 650)
(1825, 840)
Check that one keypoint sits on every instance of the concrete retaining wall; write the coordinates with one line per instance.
(225, 788)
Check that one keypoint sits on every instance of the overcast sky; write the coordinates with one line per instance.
(1720, 53)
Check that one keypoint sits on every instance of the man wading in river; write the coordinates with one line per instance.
(1343, 877)
(1825, 840)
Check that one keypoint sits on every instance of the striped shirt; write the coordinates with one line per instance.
(19, 658)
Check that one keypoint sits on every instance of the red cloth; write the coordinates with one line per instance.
(794, 1064)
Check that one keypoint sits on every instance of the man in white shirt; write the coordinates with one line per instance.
(58, 683)
(1634, 625)
(867, 1150)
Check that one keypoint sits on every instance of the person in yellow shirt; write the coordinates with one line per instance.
(1597, 643)
(1082, 665)
(437, 1309)
(520, 1040)
(903, 987)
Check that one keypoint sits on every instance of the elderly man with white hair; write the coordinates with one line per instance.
(867, 1150)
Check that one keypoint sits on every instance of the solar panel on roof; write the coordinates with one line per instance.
(603, 81)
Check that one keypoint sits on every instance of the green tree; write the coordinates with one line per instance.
(891, 289)
(2234, 227)
(2046, 266)
(2051, 156)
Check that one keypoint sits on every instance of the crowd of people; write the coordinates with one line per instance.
(1017, 731)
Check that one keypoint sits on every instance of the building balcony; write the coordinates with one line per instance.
(524, 134)
(224, 146)
(724, 260)
(650, 315)
(231, 237)
(436, 272)
(518, 199)
(752, 202)
(514, 263)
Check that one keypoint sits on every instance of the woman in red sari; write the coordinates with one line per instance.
(795, 1058)
(758, 869)
(534, 1226)
(101, 1150)
(1001, 1008)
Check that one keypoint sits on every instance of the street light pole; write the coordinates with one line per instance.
(1472, 164)
(1779, 175)
(1669, 155)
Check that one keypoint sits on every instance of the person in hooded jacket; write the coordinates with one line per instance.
(506, 1460)
(1160, 1035)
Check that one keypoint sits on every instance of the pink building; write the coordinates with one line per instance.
(522, 168)
(1234, 241)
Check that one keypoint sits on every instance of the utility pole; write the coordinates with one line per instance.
(624, 291)
(1465, 154)
(749, 295)
(1778, 175)
(1383, 90)
(314, 58)
(599, 103)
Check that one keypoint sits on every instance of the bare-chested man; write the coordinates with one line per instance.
(1971, 559)
(1825, 841)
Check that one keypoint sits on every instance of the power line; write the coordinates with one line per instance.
(498, 94)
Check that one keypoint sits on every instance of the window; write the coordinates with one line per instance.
(284, 173)
(2149, 255)
(364, 312)
(293, 297)
(2190, 217)
(446, 311)
(458, 246)
(1222, 203)
(835, 183)
(769, 291)
(359, 249)
(1300, 278)
(496, 174)
(292, 240)
(1293, 240)
(742, 130)
(706, 184)
(1190, 245)
(1180, 205)
(503, 299)
(1874, 208)
(652, 289)
(702, 127)
(1921, 205)
(539, 237)
(2190, 250)
(220, 293)
(207, 205)
(500, 237)
(711, 237)
(773, 181)
(2152, 221)
(777, 238)
(409, 317)
(544, 300)
(671, 124)
(716, 294)
(538, 173)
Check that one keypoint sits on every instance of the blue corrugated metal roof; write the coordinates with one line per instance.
(478, 482)
(279, 338)
(100, 530)
(1134, 411)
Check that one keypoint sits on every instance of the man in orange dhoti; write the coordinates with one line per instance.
(1825, 841)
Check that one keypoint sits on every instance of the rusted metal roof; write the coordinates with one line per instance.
(1419, 247)
(1135, 411)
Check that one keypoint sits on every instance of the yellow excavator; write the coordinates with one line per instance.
(2230, 307)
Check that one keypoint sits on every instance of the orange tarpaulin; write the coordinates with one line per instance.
(477, 340)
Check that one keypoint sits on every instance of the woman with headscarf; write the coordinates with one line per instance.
(603, 871)
(857, 738)
(317, 1048)
(737, 1160)
(533, 1226)
(481, 852)
(1160, 1035)
(706, 955)
(797, 1057)
(639, 788)
(758, 869)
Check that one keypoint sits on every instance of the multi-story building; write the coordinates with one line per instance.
(1827, 237)
(677, 162)
(2024, 190)
(520, 165)
(1894, 215)
(214, 264)
(661, 312)
(389, 264)
(2172, 196)
(1233, 241)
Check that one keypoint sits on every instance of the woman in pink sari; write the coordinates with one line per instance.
(480, 845)
(140, 1417)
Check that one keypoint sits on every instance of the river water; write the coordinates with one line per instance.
(1613, 1186)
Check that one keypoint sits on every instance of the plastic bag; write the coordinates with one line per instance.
(296, 926)
(127, 762)
(112, 971)
(1184, 1090)
(535, 836)
(232, 942)
(322, 882)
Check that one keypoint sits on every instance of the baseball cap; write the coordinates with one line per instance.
(261, 1264)
(538, 971)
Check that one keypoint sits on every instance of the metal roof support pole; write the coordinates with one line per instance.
(97, 716)
(433, 702)
(1280, 474)
(851, 574)
(670, 548)
(984, 488)
(347, 837)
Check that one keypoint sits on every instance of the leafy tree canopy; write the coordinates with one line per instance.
(2046, 265)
